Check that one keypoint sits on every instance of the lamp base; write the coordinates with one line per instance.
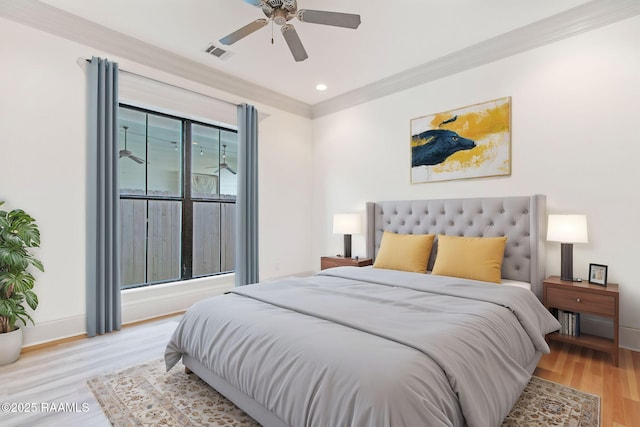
(566, 262)
(347, 245)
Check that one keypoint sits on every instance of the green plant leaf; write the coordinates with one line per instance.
(21, 281)
(36, 263)
(31, 299)
(18, 233)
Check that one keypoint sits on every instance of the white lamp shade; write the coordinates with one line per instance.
(347, 224)
(567, 229)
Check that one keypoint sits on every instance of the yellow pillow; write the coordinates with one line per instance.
(405, 252)
(477, 258)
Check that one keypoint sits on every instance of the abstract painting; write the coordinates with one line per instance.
(468, 142)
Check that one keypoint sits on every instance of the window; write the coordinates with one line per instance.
(177, 197)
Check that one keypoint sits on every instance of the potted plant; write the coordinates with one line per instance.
(18, 233)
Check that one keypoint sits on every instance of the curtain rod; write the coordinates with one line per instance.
(172, 85)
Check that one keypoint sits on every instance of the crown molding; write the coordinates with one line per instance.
(66, 25)
(578, 20)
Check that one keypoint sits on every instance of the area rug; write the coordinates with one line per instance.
(146, 395)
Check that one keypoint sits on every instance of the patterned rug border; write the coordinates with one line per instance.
(596, 398)
(567, 386)
(128, 397)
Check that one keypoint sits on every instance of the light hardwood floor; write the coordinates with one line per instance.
(58, 374)
(594, 372)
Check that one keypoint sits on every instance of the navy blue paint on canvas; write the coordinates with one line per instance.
(451, 120)
(442, 144)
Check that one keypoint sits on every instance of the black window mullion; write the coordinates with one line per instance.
(146, 242)
(187, 204)
(146, 154)
(146, 192)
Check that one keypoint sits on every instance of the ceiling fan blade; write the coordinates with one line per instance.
(294, 43)
(336, 19)
(231, 170)
(243, 32)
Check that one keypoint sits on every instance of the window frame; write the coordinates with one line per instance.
(186, 199)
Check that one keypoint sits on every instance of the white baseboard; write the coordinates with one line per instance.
(630, 338)
(137, 304)
(602, 327)
(55, 330)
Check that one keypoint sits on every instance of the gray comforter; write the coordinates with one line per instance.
(371, 347)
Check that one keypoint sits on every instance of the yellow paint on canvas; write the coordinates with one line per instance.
(417, 142)
(506, 167)
(475, 125)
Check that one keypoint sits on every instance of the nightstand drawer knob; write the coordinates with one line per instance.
(577, 299)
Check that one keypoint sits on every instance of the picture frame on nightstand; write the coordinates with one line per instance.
(598, 274)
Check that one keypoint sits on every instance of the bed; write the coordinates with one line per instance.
(381, 347)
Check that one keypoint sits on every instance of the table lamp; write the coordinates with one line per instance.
(347, 224)
(567, 229)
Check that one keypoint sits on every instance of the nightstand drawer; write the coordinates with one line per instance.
(569, 299)
(330, 262)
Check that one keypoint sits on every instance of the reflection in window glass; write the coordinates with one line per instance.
(214, 161)
(164, 143)
(132, 154)
(228, 163)
(205, 180)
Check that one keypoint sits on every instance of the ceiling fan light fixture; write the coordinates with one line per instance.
(279, 16)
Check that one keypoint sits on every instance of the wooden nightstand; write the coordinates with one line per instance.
(583, 297)
(338, 261)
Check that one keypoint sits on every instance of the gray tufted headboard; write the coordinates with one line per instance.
(521, 219)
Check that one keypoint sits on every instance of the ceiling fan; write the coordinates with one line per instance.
(280, 12)
(127, 153)
(224, 164)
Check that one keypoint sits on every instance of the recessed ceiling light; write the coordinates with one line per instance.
(321, 87)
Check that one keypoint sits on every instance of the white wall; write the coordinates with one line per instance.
(43, 170)
(575, 138)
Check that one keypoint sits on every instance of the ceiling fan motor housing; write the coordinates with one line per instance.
(279, 10)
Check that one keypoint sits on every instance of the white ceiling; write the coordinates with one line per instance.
(399, 44)
(394, 36)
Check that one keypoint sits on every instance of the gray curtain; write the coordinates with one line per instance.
(247, 200)
(103, 241)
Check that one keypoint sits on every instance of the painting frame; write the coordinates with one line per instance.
(598, 274)
(463, 143)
